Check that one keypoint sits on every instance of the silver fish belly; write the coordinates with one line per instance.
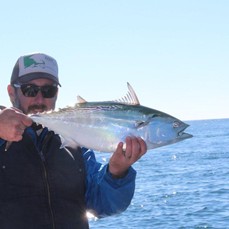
(102, 125)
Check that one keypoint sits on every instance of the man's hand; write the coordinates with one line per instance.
(12, 124)
(122, 159)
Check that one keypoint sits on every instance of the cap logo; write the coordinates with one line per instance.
(30, 62)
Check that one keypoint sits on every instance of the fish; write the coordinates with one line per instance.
(100, 126)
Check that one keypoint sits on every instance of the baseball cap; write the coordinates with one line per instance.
(35, 66)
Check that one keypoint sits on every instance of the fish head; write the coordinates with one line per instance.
(165, 130)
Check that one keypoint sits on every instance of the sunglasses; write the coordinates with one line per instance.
(31, 90)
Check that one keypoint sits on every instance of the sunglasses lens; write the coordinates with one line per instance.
(30, 90)
(48, 91)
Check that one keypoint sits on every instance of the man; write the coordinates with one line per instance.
(41, 186)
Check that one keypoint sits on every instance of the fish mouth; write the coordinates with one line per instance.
(182, 135)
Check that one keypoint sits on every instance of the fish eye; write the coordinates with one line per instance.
(176, 124)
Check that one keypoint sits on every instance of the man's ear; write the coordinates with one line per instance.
(12, 93)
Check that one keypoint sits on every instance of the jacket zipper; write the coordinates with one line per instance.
(48, 192)
(46, 178)
(8, 144)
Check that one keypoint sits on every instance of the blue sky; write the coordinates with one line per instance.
(174, 53)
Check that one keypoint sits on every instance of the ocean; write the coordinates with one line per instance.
(184, 185)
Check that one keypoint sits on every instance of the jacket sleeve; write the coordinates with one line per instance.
(106, 195)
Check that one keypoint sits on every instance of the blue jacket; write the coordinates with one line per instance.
(43, 186)
(104, 194)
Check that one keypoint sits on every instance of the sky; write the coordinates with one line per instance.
(174, 53)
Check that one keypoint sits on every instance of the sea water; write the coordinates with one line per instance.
(184, 185)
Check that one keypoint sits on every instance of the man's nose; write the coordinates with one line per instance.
(39, 97)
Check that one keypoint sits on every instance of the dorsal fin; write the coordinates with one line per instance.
(80, 99)
(130, 98)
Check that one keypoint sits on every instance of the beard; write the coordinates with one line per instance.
(36, 108)
(32, 109)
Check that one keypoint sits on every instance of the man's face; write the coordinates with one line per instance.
(31, 105)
